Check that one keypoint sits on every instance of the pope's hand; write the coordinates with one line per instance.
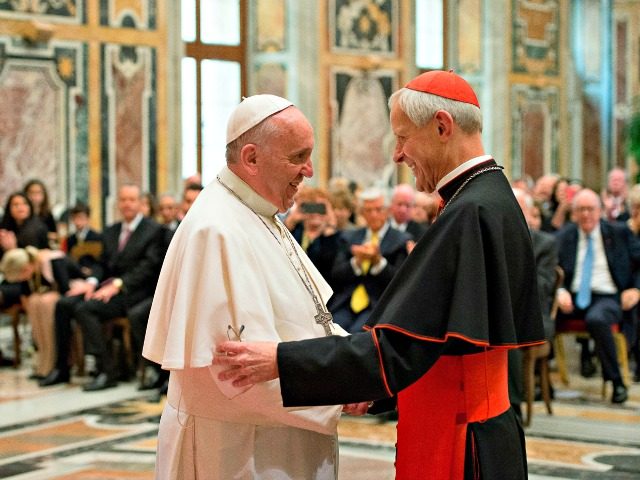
(247, 363)
(356, 408)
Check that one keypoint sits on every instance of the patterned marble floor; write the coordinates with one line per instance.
(64, 433)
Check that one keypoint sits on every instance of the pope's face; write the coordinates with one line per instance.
(418, 148)
(285, 160)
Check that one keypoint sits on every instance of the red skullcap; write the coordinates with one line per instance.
(444, 84)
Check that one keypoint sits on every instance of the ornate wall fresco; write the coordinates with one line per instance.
(138, 14)
(364, 26)
(535, 126)
(128, 120)
(362, 58)
(84, 142)
(67, 11)
(469, 35)
(362, 143)
(43, 119)
(536, 33)
(271, 21)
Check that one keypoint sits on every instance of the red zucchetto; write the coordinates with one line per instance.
(444, 84)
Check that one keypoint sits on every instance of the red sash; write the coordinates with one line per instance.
(435, 410)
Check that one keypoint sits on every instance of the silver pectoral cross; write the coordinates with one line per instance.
(323, 318)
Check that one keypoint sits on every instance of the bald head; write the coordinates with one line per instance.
(586, 209)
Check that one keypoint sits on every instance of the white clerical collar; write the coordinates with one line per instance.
(247, 194)
(460, 169)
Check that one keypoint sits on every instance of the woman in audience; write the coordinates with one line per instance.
(47, 274)
(36, 191)
(316, 232)
(19, 226)
(149, 205)
(343, 209)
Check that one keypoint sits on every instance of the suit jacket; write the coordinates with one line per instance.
(344, 280)
(415, 229)
(545, 252)
(139, 262)
(321, 251)
(621, 249)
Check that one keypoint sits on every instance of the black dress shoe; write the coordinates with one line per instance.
(152, 379)
(619, 394)
(587, 368)
(101, 382)
(55, 377)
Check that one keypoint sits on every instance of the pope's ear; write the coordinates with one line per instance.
(249, 158)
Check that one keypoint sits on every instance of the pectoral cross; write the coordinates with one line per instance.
(323, 318)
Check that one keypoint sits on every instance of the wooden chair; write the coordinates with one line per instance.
(125, 327)
(539, 355)
(15, 313)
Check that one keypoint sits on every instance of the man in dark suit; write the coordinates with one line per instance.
(545, 252)
(600, 282)
(125, 276)
(401, 211)
(366, 261)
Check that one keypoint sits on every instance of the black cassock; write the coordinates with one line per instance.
(468, 289)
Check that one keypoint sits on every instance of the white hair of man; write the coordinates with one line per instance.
(521, 194)
(420, 107)
(372, 194)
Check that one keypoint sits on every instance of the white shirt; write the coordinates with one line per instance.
(226, 266)
(601, 280)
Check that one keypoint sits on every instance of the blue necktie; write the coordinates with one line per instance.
(583, 299)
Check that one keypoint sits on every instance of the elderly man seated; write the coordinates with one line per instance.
(600, 282)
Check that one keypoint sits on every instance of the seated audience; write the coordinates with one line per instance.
(20, 227)
(343, 209)
(426, 208)
(316, 233)
(149, 205)
(48, 274)
(191, 191)
(168, 211)
(545, 252)
(85, 244)
(125, 276)
(36, 191)
(614, 196)
(367, 260)
(401, 211)
(598, 259)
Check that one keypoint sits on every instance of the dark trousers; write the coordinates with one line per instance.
(138, 319)
(64, 314)
(90, 316)
(604, 311)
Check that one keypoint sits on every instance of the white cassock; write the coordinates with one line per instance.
(226, 267)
